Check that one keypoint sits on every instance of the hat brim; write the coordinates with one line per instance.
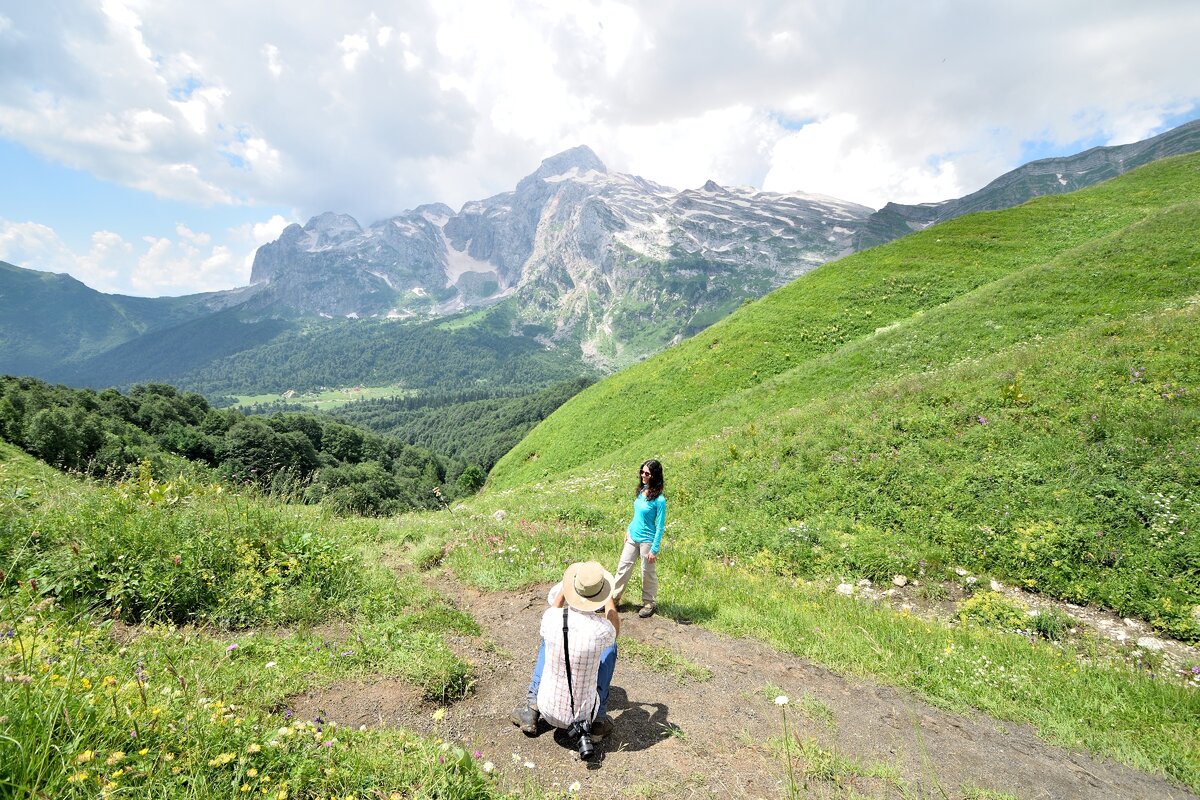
(578, 601)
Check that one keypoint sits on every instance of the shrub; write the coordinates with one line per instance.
(1052, 623)
(993, 610)
(176, 550)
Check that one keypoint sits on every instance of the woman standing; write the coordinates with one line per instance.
(644, 537)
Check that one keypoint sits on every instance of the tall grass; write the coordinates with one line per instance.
(187, 702)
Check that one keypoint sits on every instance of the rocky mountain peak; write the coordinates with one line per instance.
(580, 158)
(330, 222)
(712, 186)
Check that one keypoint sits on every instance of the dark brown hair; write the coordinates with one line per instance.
(654, 487)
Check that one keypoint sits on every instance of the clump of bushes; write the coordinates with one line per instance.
(179, 550)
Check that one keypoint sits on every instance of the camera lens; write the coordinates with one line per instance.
(585, 747)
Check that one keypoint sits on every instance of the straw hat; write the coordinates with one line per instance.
(587, 585)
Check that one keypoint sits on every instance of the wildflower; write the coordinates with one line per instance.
(252, 772)
(231, 647)
(254, 747)
(85, 757)
(78, 777)
(516, 759)
(489, 767)
(574, 787)
(143, 751)
(477, 754)
(245, 787)
(781, 700)
(439, 715)
(270, 664)
(529, 765)
(114, 758)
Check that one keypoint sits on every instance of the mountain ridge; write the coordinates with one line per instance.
(610, 266)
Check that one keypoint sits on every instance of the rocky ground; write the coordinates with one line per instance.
(720, 737)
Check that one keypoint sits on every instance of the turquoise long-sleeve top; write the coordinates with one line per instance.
(649, 517)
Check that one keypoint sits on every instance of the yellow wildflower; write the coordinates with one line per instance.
(114, 757)
(85, 756)
(254, 747)
(78, 776)
(252, 772)
(439, 714)
(245, 787)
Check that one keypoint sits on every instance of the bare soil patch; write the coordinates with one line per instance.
(710, 738)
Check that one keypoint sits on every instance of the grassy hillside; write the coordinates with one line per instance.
(48, 320)
(1011, 395)
(128, 669)
(1015, 392)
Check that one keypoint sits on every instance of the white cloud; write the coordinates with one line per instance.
(168, 267)
(35, 246)
(187, 263)
(353, 46)
(836, 157)
(368, 110)
(274, 65)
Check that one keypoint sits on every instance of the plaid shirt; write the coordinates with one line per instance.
(589, 635)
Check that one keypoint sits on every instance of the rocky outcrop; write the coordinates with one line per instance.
(592, 257)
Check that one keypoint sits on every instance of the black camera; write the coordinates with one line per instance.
(582, 730)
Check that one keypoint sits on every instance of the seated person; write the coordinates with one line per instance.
(586, 589)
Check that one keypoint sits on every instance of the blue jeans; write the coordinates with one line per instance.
(608, 665)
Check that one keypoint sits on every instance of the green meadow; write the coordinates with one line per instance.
(324, 400)
(1013, 394)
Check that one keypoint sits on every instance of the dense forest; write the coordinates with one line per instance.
(475, 426)
(307, 457)
(487, 349)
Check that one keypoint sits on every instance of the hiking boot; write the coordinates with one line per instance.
(647, 610)
(525, 718)
(601, 727)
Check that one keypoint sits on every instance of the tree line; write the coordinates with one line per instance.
(305, 457)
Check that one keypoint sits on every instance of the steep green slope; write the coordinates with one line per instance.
(1013, 391)
(48, 319)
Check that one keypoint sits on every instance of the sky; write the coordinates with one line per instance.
(149, 147)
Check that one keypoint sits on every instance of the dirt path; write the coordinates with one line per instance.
(709, 739)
